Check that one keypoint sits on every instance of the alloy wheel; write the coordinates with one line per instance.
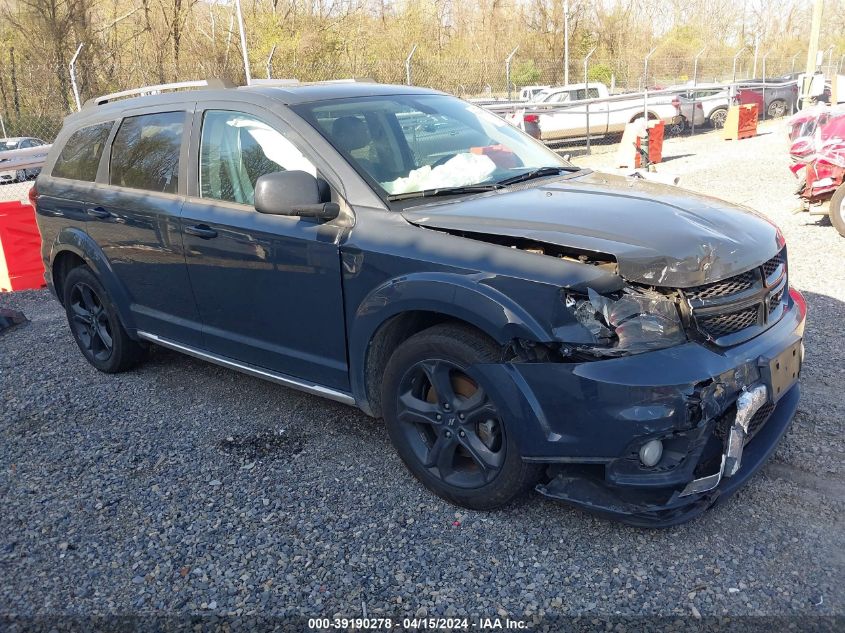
(776, 109)
(452, 426)
(718, 118)
(90, 322)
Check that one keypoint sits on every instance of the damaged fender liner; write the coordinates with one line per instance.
(660, 508)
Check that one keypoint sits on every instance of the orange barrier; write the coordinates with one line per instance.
(741, 122)
(654, 138)
(637, 137)
(20, 248)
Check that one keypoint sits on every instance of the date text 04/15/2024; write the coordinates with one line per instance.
(455, 624)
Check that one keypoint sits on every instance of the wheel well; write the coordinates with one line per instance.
(652, 116)
(62, 265)
(387, 338)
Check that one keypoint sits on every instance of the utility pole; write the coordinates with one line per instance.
(565, 42)
(243, 41)
(812, 51)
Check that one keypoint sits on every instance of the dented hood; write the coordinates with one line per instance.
(659, 234)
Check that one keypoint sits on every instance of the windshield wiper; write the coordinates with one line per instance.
(444, 191)
(540, 172)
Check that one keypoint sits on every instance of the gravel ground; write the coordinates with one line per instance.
(14, 191)
(182, 487)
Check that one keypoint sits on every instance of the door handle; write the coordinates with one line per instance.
(97, 212)
(201, 230)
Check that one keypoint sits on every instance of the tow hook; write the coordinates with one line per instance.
(748, 403)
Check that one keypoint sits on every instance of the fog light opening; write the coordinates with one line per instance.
(651, 452)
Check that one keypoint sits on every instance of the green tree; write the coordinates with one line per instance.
(600, 72)
(525, 73)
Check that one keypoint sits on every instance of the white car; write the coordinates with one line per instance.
(530, 93)
(706, 104)
(19, 142)
(564, 112)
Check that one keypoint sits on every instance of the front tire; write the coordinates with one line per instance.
(718, 117)
(837, 210)
(445, 426)
(776, 109)
(95, 325)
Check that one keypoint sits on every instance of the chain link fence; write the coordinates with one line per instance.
(34, 99)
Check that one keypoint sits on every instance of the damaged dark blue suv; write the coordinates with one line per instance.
(518, 322)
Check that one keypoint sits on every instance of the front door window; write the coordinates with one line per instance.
(236, 149)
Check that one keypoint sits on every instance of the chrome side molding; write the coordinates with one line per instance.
(252, 370)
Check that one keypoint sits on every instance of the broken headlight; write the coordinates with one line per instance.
(636, 321)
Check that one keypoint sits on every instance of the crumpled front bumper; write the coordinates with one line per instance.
(586, 422)
(657, 508)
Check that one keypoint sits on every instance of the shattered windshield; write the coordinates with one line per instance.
(415, 143)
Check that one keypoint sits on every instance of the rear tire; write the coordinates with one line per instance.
(446, 429)
(95, 325)
(837, 210)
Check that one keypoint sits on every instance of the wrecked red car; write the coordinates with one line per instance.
(817, 150)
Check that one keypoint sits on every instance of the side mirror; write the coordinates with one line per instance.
(296, 193)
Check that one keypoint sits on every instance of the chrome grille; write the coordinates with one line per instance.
(745, 302)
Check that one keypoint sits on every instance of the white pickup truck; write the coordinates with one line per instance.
(562, 112)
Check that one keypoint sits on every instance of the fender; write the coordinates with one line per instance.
(80, 243)
(464, 297)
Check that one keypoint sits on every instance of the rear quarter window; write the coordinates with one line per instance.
(145, 152)
(80, 157)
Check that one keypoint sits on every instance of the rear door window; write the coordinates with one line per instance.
(80, 156)
(581, 93)
(145, 152)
